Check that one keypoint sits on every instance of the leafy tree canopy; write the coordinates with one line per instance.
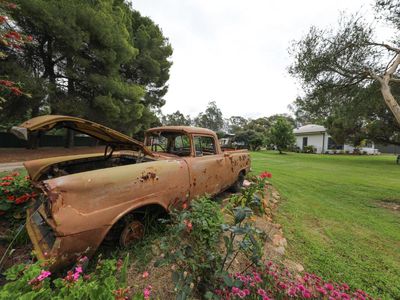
(211, 118)
(177, 119)
(281, 134)
(350, 80)
(95, 59)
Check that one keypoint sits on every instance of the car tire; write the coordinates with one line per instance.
(238, 185)
(131, 233)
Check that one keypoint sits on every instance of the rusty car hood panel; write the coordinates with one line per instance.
(100, 132)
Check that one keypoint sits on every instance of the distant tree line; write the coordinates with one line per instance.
(275, 131)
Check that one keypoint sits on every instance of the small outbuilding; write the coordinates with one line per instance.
(317, 136)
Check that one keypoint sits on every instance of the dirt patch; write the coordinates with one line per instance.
(16, 255)
(20, 154)
(393, 205)
(160, 278)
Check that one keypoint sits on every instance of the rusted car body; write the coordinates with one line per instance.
(85, 197)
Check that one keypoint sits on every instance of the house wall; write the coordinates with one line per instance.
(316, 140)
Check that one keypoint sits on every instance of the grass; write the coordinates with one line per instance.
(331, 216)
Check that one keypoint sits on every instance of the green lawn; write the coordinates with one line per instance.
(331, 216)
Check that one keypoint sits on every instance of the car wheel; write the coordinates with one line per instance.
(132, 232)
(237, 186)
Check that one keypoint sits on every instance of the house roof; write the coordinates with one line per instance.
(310, 128)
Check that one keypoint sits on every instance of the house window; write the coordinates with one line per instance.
(333, 146)
(305, 141)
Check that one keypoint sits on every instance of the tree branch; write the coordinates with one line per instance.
(387, 46)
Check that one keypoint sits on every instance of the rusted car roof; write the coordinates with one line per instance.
(186, 129)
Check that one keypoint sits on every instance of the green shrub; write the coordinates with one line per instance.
(33, 281)
(15, 193)
(309, 149)
(191, 245)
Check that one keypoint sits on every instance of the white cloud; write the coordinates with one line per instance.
(235, 52)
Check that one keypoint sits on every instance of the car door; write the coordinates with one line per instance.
(207, 167)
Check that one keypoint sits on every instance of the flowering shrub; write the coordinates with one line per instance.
(11, 40)
(252, 195)
(107, 281)
(15, 193)
(191, 246)
(273, 281)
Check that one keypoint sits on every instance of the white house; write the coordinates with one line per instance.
(317, 136)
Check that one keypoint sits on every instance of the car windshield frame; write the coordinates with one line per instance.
(169, 145)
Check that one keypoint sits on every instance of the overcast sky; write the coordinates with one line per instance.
(235, 52)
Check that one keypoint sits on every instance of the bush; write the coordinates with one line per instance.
(252, 195)
(107, 281)
(191, 245)
(15, 193)
(309, 149)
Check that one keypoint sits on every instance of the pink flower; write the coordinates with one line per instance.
(241, 294)
(261, 292)
(235, 290)
(329, 286)
(322, 290)
(306, 294)
(147, 292)
(145, 274)
(345, 296)
(43, 275)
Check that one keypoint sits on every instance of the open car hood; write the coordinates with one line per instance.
(100, 132)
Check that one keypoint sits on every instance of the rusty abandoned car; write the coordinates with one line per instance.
(83, 198)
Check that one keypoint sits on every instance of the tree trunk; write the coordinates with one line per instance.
(69, 142)
(389, 100)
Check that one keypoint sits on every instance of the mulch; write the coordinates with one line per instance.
(21, 154)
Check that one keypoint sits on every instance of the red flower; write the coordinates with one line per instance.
(22, 199)
(189, 225)
(265, 174)
(12, 5)
(29, 38)
(16, 91)
(3, 19)
(7, 82)
(13, 35)
(10, 198)
(15, 174)
(7, 183)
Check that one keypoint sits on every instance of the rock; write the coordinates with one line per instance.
(279, 240)
(280, 250)
(246, 183)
